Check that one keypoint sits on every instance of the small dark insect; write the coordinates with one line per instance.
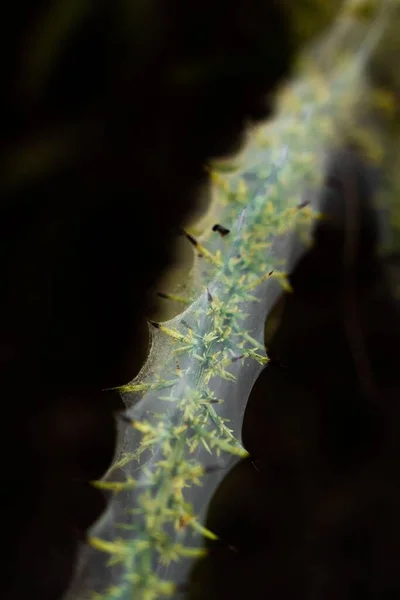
(156, 325)
(209, 296)
(125, 418)
(223, 231)
(303, 204)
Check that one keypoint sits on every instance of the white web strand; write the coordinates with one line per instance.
(294, 134)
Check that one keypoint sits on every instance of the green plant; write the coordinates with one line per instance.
(183, 411)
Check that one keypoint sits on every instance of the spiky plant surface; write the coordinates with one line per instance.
(184, 409)
(109, 111)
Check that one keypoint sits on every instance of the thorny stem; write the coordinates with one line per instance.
(324, 108)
